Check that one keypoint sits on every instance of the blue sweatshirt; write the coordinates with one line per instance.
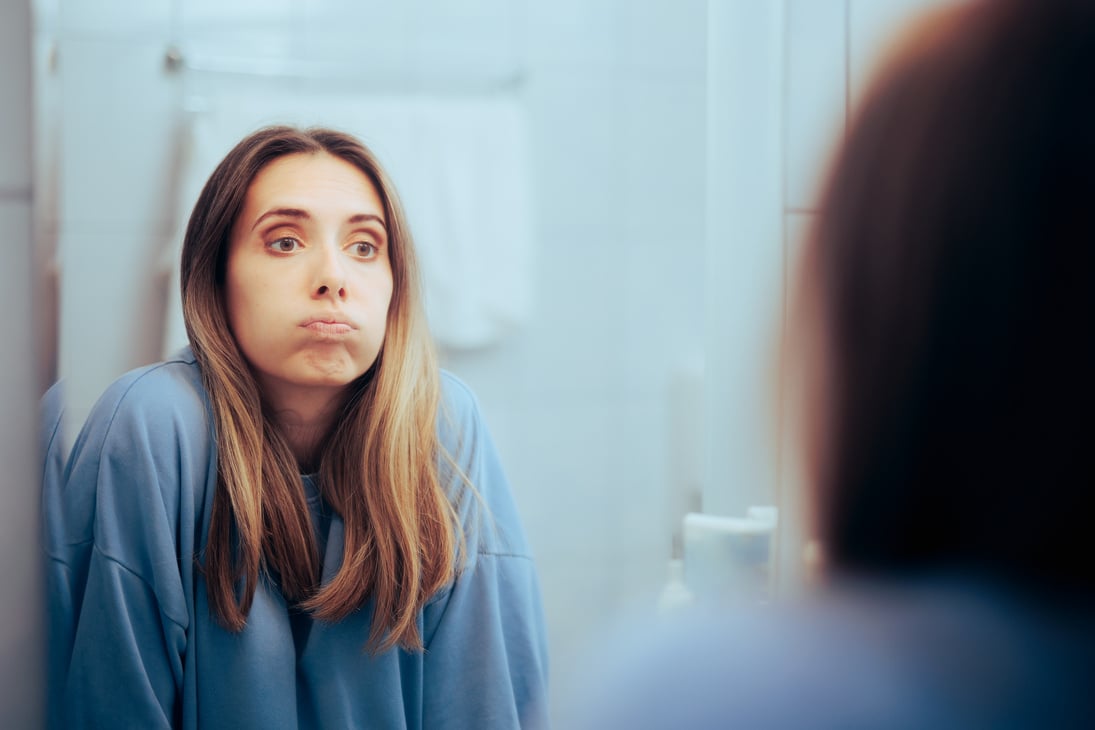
(132, 640)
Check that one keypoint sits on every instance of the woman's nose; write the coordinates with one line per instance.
(330, 277)
(324, 289)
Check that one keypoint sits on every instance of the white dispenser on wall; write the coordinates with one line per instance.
(729, 559)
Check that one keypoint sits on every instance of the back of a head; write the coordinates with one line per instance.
(951, 277)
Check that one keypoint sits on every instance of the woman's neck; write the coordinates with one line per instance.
(304, 419)
(304, 439)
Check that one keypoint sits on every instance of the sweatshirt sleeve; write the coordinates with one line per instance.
(125, 534)
(486, 650)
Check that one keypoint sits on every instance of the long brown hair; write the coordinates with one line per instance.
(381, 465)
(951, 276)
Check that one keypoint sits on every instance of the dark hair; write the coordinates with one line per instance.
(951, 274)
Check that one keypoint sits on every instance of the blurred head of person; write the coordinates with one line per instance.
(945, 314)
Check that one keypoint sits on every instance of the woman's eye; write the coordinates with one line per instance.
(364, 249)
(284, 245)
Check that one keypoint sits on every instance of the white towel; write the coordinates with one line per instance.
(460, 164)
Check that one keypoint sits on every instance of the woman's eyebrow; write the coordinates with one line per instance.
(286, 212)
(366, 217)
(305, 215)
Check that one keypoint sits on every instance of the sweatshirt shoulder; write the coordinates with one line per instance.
(460, 424)
(140, 467)
(159, 406)
(481, 489)
(170, 388)
(457, 398)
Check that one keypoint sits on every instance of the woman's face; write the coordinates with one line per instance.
(309, 279)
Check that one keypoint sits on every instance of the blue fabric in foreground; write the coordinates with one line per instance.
(938, 653)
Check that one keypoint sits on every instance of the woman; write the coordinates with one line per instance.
(299, 521)
(944, 344)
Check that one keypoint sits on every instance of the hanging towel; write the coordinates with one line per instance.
(461, 167)
(465, 184)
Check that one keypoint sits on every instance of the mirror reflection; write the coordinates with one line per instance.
(551, 165)
(604, 198)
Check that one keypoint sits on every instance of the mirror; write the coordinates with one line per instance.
(552, 162)
(605, 194)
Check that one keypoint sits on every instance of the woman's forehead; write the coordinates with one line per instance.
(310, 186)
(313, 177)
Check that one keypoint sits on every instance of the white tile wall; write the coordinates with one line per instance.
(744, 256)
(197, 16)
(118, 116)
(45, 15)
(658, 126)
(814, 106)
(662, 329)
(573, 127)
(580, 400)
(111, 310)
(580, 36)
(659, 39)
(118, 121)
(118, 18)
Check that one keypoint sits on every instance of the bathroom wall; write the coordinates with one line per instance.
(581, 400)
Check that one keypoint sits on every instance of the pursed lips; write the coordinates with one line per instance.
(328, 325)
